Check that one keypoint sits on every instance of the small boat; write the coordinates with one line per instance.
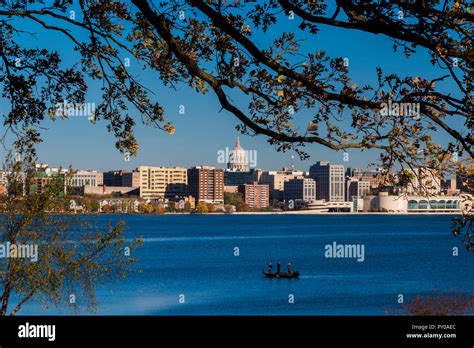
(294, 274)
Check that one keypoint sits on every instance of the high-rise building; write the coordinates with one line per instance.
(254, 175)
(206, 184)
(276, 181)
(300, 188)
(329, 181)
(113, 178)
(255, 195)
(131, 179)
(356, 188)
(232, 178)
(354, 172)
(162, 182)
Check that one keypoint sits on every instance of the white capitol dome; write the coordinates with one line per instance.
(238, 159)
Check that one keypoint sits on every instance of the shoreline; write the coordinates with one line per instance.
(300, 212)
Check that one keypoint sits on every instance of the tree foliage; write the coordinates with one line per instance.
(211, 46)
(74, 255)
(215, 46)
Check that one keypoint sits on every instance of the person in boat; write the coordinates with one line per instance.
(270, 267)
(289, 268)
(278, 267)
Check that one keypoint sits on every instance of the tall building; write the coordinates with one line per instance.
(162, 182)
(238, 159)
(254, 175)
(113, 178)
(329, 181)
(255, 195)
(356, 188)
(131, 179)
(276, 181)
(234, 178)
(300, 188)
(206, 184)
(354, 172)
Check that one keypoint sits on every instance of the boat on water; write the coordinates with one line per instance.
(294, 274)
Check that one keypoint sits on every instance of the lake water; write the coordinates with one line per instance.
(193, 255)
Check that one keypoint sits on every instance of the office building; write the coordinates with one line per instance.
(162, 182)
(300, 188)
(329, 178)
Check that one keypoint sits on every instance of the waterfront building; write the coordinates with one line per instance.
(329, 181)
(300, 188)
(384, 202)
(238, 159)
(321, 205)
(206, 184)
(253, 175)
(231, 189)
(113, 177)
(234, 178)
(447, 204)
(255, 195)
(83, 178)
(356, 188)
(122, 178)
(162, 182)
(108, 190)
(131, 179)
(373, 177)
(354, 172)
(276, 181)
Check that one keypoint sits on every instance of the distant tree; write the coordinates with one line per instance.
(94, 206)
(187, 207)
(211, 208)
(202, 208)
(228, 209)
(236, 198)
(145, 208)
(158, 209)
(63, 269)
(243, 207)
(171, 207)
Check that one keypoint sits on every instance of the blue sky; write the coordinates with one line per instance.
(202, 131)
